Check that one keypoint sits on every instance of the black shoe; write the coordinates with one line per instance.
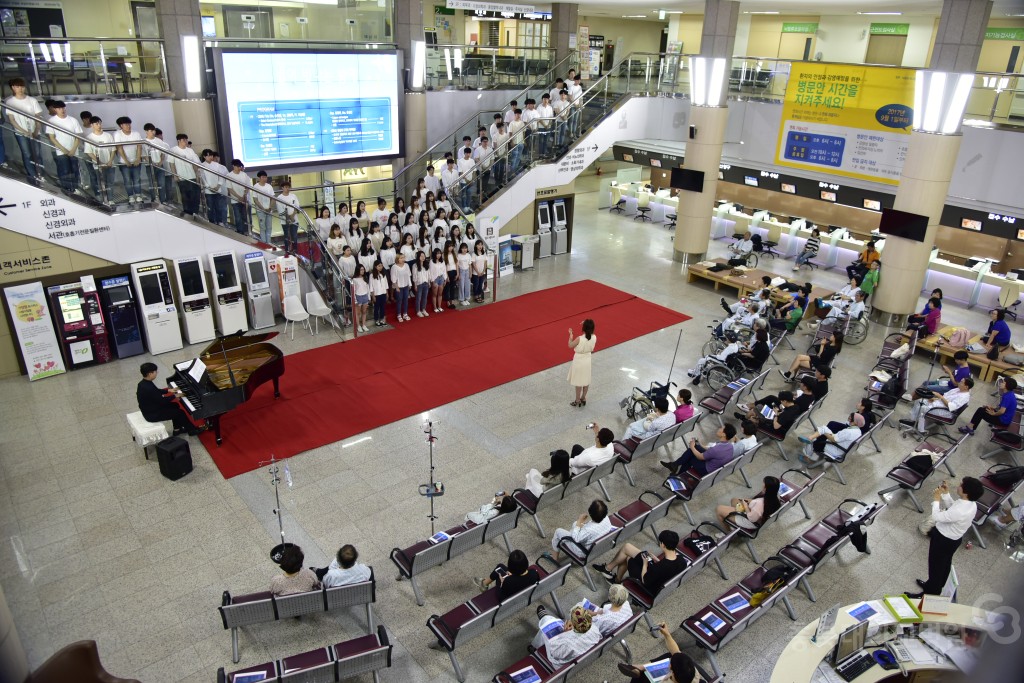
(920, 583)
(628, 670)
(670, 466)
(915, 596)
(603, 571)
(696, 381)
(909, 423)
(530, 649)
(726, 307)
(740, 416)
(542, 611)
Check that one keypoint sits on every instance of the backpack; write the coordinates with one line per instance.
(699, 543)
(1007, 477)
(772, 580)
(959, 338)
(758, 244)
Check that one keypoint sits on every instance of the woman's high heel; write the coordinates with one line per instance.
(575, 404)
(583, 402)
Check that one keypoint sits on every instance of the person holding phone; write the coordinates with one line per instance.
(579, 371)
(681, 668)
(642, 566)
(513, 577)
(953, 519)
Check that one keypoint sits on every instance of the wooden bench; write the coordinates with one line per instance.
(340, 662)
(256, 608)
(743, 284)
(936, 344)
(423, 555)
(484, 611)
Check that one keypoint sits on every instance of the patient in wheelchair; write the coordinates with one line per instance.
(697, 371)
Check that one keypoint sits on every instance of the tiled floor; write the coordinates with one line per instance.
(96, 544)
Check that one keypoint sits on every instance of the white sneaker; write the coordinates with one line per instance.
(743, 407)
(907, 397)
(796, 268)
(425, 314)
(464, 302)
(437, 310)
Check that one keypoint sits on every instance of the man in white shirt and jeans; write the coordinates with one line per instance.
(185, 172)
(288, 207)
(601, 452)
(953, 519)
(62, 131)
(939, 405)
(263, 199)
(657, 421)
(26, 130)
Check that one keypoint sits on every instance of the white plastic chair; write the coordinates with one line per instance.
(294, 312)
(318, 309)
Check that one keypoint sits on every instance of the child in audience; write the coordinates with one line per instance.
(421, 281)
(464, 260)
(556, 473)
(479, 265)
(379, 291)
(401, 282)
(361, 287)
(438, 278)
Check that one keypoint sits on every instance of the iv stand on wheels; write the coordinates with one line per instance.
(434, 489)
(275, 480)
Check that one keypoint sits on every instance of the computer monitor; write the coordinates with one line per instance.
(687, 179)
(851, 641)
(909, 226)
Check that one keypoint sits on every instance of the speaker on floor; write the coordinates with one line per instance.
(174, 457)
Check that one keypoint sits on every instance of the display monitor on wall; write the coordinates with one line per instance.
(750, 180)
(828, 195)
(280, 108)
(788, 188)
(910, 226)
(687, 179)
(873, 204)
(970, 224)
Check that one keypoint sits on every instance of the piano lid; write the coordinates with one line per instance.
(235, 341)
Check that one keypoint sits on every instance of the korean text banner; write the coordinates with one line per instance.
(32, 323)
(847, 120)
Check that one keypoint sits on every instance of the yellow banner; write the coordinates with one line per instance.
(847, 120)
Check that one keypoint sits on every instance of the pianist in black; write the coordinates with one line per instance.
(157, 405)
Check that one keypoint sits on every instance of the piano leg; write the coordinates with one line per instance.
(215, 421)
(277, 388)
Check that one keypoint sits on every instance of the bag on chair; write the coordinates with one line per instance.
(959, 338)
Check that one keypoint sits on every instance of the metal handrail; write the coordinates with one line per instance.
(87, 39)
(208, 42)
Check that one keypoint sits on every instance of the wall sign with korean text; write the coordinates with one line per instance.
(847, 120)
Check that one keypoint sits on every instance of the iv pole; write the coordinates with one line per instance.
(434, 489)
(275, 480)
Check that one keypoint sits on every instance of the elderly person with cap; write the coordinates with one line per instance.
(565, 641)
(834, 443)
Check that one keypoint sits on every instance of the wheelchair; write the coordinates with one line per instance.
(641, 402)
(718, 373)
(717, 343)
(857, 329)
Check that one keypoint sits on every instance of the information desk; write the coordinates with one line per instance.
(801, 657)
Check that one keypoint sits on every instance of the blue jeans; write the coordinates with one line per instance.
(160, 184)
(805, 256)
(513, 159)
(378, 307)
(466, 195)
(478, 286)
(263, 217)
(240, 214)
(189, 196)
(421, 296)
(31, 155)
(464, 284)
(216, 208)
(104, 179)
(67, 170)
(402, 300)
(499, 172)
(132, 177)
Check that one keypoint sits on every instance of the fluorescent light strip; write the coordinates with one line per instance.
(919, 79)
(881, 14)
(957, 103)
(933, 106)
(419, 63)
(717, 80)
(190, 59)
(697, 89)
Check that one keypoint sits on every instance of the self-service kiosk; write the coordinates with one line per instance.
(288, 278)
(543, 229)
(196, 310)
(122, 316)
(81, 327)
(261, 302)
(228, 303)
(560, 231)
(159, 314)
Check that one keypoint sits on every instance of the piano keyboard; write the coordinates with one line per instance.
(183, 398)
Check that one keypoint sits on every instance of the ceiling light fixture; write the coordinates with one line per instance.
(882, 14)
(634, 16)
(765, 12)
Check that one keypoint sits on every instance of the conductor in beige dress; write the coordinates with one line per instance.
(579, 371)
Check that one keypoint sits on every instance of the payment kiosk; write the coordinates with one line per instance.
(159, 314)
(195, 300)
(288, 278)
(543, 229)
(122, 316)
(228, 303)
(80, 325)
(261, 302)
(560, 239)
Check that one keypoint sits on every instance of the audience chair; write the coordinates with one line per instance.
(318, 309)
(295, 313)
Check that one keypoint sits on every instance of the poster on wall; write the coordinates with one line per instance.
(847, 120)
(32, 324)
(505, 255)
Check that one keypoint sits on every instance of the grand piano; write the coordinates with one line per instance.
(235, 365)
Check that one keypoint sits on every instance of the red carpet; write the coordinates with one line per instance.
(334, 392)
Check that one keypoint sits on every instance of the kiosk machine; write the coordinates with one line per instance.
(544, 229)
(195, 300)
(159, 314)
(560, 240)
(228, 303)
(288, 278)
(80, 324)
(261, 302)
(119, 305)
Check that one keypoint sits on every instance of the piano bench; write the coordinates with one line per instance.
(145, 433)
